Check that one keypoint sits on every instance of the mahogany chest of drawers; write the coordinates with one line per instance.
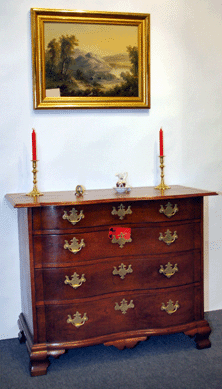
(108, 268)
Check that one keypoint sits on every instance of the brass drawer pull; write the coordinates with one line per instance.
(124, 306)
(169, 271)
(121, 240)
(122, 271)
(73, 217)
(75, 281)
(168, 238)
(170, 308)
(169, 211)
(77, 320)
(121, 211)
(74, 247)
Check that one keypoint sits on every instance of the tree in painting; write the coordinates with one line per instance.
(77, 73)
(58, 60)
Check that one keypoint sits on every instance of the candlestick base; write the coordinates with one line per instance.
(162, 186)
(35, 192)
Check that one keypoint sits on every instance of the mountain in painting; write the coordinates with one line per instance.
(91, 67)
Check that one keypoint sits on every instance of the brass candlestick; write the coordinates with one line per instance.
(35, 192)
(162, 185)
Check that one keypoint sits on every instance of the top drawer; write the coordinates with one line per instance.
(90, 215)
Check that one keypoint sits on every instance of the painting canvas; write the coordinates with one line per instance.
(90, 60)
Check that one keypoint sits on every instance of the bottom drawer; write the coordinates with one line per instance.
(89, 318)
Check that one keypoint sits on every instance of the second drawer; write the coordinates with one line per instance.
(53, 250)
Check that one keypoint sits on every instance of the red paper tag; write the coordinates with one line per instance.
(116, 231)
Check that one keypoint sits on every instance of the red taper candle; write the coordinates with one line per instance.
(33, 145)
(161, 142)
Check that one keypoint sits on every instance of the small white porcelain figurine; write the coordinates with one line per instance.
(122, 180)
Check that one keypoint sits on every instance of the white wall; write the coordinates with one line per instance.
(89, 146)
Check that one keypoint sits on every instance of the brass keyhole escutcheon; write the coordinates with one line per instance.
(121, 212)
(123, 307)
(121, 240)
(122, 271)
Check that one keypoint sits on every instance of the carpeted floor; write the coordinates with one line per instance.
(164, 362)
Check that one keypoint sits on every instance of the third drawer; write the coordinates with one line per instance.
(107, 276)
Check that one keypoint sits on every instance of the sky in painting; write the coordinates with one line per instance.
(102, 39)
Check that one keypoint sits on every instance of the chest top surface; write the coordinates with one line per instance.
(21, 200)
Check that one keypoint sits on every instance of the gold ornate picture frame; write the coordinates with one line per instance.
(84, 59)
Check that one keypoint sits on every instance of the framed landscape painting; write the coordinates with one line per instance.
(84, 59)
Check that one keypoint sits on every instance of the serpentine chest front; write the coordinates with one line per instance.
(112, 269)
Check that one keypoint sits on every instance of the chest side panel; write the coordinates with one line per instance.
(25, 256)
